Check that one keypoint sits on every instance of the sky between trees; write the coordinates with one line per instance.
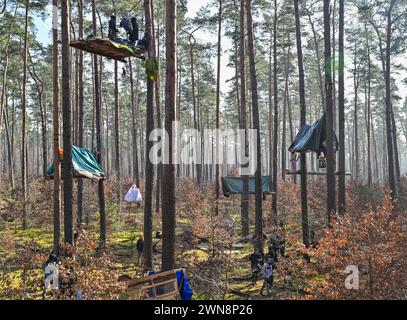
(44, 36)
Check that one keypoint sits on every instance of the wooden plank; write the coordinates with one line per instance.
(159, 284)
(154, 287)
(174, 294)
(174, 281)
(134, 284)
(313, 173)
(104, 47)
(164, 296)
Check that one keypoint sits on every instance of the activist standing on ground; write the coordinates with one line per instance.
(268, 275)
(140, 248)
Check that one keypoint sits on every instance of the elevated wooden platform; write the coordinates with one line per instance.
(79, 175)
(312, 173)
(108, 48)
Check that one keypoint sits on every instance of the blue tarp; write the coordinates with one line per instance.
(313, 138)
(185, 291)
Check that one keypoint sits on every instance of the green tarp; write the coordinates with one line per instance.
(84, 163)
(312, 138)
(234, 185)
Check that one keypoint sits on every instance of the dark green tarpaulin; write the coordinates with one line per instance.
(234, 185)
(312, 138)
(84, 163)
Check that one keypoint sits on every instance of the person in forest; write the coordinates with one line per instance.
(322, 155)
(113, 31)
(272, 254)
(125, 23)
(294, 160)
(268, 275)
(140, 248)
(256, 260)
(281, 241)
(132, 29)
(50, 273)
(277, 246)
(78, 232)
(273, 250)
(135, 34)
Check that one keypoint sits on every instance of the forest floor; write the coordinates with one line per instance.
(208, 247)
(122, 236)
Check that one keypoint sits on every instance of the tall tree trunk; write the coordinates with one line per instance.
(117, 156)
(117, 136)
(384, 157)
(395, 146)
(66, 121)
(93, 103)
(304, 198)
(168, 197)
(3, 103)
(56, 129)
(276, 119)
(134, 124)
(270, 111)
(198, 166)
(376, 160)
(159, 121)
(149, 181)
(388, 111)
(178, 110)
(99, 146)
(334, 63)
(24, 119)
(286, 99)
(290, 121)
(80, 109)
(318, 60)
(341, 112)
(9, 146)
(330, 180)
(217, 169)
(368, 111)
(5, 67)
(43, 113)
(243, 121)
(256, 126)
(355, 114)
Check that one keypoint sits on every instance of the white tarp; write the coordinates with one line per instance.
(133, 195)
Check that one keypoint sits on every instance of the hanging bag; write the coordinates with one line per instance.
(133, 195)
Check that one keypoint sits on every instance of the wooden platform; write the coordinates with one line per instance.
(160, 286)
(107, 48)
(79, 175)
(312, 173)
